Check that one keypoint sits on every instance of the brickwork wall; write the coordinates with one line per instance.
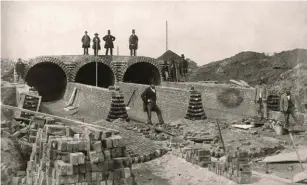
(174, 102)
(94, 102)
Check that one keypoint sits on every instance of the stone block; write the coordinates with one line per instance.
(74, 158)
(107, 143)
(81, 177)
(94, 167)
(93, 156)
(81, 158)
(88, 177)
(125, 172)
(107, 155)
(94, 176)
(55, 130)
(97, 146)
(82, 168)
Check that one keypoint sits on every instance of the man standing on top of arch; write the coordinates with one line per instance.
(109, 42)
(96, 44)
(86, 43)
(133, 43)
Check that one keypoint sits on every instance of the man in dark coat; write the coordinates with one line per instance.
(133, 43)
(165, 71)
(109, 42)
(261, 97)
(19, 67)
(149, 97)
(174, 70)
(96, 44)
(288, 106)
(183, 66)
(86, 43)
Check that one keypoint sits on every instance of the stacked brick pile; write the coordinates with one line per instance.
(36, 123)
(60, 156)
(194, 155)
(235, 167)
(118, 107)
(118, 65)
(195, 109)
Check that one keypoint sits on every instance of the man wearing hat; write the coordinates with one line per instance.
(86, 43)
(173, 69)
(19, 68)
(96, 44)
(261, 97)
(133, 43)
(109, 43)
(149, 97)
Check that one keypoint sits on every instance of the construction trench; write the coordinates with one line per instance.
(62, 84)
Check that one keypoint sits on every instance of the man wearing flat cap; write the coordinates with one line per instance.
(96, 44)
(86, 43)
(109, 43)
(133, 43)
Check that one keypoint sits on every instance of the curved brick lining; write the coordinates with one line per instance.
(135, 60)
(44, 59)
(83, 60)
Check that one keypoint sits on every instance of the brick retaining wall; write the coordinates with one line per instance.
(174, 102)
(94, 102)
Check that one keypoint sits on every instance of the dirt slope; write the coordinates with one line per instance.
(250, 66)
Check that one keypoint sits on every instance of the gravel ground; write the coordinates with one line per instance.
(171, 170)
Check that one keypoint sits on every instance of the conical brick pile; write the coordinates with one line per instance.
(118, 107)
(195, 109)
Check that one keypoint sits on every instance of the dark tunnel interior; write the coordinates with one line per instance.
(49, 80)
(142, 73)
(87, 75)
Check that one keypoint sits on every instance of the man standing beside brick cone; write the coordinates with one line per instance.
(109, 43)
(288, 106)
(149, 97)
(86, 43)
(261, 97)
(133, 43)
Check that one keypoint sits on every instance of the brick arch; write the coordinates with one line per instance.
(135, 60)
(45, 59)
(83, 60)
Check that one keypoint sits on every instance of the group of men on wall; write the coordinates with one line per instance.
(287, 104)
(109, 45)
(173, 71)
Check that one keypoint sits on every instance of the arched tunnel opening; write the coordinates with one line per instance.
(48, 79)
(87, 75)
(142, 73)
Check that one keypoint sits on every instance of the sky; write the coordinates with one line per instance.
(202, 31)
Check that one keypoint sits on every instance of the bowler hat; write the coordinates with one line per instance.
(96, 34)
(133, 30)
(85, 31)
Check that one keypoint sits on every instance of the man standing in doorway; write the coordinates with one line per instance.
(149, 97)
(109, 43)
(288, 106)
(133, 43)
(86, 43)
(261, 97)
(96, 44)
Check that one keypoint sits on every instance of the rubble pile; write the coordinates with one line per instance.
(60, 156)
(235, 167)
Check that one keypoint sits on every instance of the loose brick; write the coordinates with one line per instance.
(107, 155)
(55, 130)
(81, 158)
(125, 172)
(88, 177)
(97, 146)
(74, 158)
(82, 168)
(94, 176)
(93, 157)
(107, 143)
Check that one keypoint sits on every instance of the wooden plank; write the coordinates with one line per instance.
(243, 126)
(287, 157)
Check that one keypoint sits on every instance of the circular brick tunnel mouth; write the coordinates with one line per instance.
(142, 73)
(87, 75)
(48, 79)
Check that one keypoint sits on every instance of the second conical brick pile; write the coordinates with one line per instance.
(195, 109)
(118, 107)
